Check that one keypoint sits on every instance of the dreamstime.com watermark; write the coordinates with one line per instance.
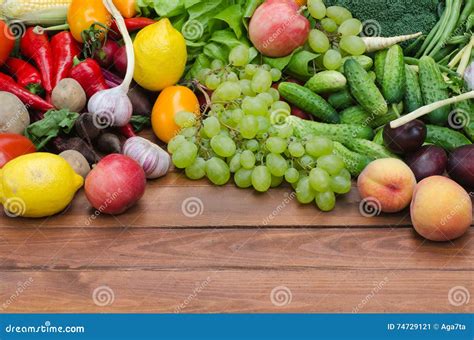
(21, 287)
(47, 328)
(110, 199)
(281, 296)
(459, 296)
(103, 296)
(288, 198)
(377, 288)
(192, 207)
(196, 291)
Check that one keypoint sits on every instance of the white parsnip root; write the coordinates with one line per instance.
(430, 108)
(374, 44)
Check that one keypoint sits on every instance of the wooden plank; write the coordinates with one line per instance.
(167, 249)
(233, 291)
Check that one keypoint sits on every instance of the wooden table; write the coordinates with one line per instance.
(192, 247)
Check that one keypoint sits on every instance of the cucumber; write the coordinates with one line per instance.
(308, 101)
(358, 116)
(380, 66)
(364, 61)
(364, 89)
(327, 82)
(465, 110)
(413, 97)
(433, 89)
(394, 78)
(372, 76)
(446, 138)
(368, 148)
(341, 100)
(354, 161)
(336, 132)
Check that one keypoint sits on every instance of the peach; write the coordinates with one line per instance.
(277, 28)
(389, 181)
(441, 209)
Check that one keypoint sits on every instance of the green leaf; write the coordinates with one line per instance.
(249, 9)
(140, 122)
(233, 17)
(299, 65)
(279, 63)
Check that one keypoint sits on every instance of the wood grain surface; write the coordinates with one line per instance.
(192, 247)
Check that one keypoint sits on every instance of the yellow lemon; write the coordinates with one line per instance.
(160, 56)
(37, 185)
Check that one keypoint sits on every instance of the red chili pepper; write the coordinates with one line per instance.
(7, 84)
(64, 48)
(132, 24)
(89, 74)
(35, 46)
(26, 75)
(127, 131)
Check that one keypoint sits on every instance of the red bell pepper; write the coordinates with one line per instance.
(35, 45)
(132, 24)
(12, 146)
(64, 48)
(127, 131)
(26, 75)
(31, 100)
(89, 74)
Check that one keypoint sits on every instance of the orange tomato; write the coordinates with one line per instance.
(128, 8)
(172, 100)
(7, 42)
(82, 14)
(301, 2)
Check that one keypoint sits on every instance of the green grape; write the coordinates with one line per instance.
(217, 171)
(331, 163)
(251, 69)
(217, 107)
(223, 146)
(276, 181)
(189, 132)
(296, 149)
(248, 127)
(340, 184)
(244, 75)
(228, 91)
(202, 75)
(266, 98)
(254, 106)
(274, 93)
(332, 60)
(329, 25)
(352, 45)
(326, 201)
(319, 146)
(212, 127)
(266, 67)
(263, 124)
(304, 193)
(318, 41)
(252, 145)
(239, 56)
(276, 145)
(319, 180)
(292, 175)
(175, 143)
(197, 170)
(247, 159)
(281, 106)
(285, 131)
(261, 81)
(350, 27)
(185, 155)
(232, 77)
(276, 164)
(346, 174)
(307, 162)
(246, 88)
(213, 81)
(276, 74)
(243, 178)
(338, 14)
(317, 9)
(237, 115)
(261, 178)
(217, 64)
(234, 163)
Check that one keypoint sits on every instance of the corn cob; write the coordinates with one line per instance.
(35, 12)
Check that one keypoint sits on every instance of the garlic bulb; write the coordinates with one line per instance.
(154, 160)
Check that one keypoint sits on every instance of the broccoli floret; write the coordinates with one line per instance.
(393, 17)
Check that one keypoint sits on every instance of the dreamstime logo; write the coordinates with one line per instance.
(14, 207)
(370, 207)
(15, 30)
(103, 119)
(192, 30)
(371, 28)
(192, 207)
(458, 296)
(103, 296)
(458, 119)
(281, 296)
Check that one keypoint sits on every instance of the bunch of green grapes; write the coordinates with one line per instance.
(336, 34)
(247, 134)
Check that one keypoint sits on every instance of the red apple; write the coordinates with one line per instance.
(277, 28)
(115, 184)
